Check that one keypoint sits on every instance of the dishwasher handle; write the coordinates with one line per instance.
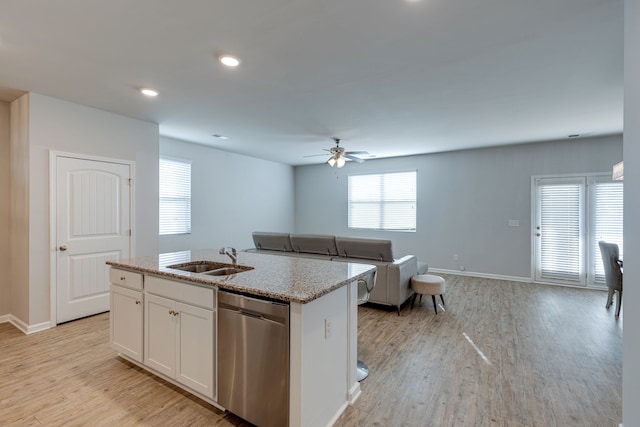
(241, 310)
(250, 313)
(255, 308)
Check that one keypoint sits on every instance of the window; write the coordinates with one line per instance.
(571, 215)
(383, 201)
(175, 196)
(607, 213)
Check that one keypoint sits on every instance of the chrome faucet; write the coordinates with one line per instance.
(231, 252)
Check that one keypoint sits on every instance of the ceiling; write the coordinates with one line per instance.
(393, 77)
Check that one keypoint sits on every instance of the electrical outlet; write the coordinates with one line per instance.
(455, 257)
(327, 328)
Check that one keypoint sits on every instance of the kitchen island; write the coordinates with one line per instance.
(151, 295)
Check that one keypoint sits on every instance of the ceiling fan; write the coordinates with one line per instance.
(338, 155)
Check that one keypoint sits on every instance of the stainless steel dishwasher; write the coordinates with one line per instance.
(253, 358)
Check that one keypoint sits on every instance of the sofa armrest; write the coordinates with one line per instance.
(399, 274)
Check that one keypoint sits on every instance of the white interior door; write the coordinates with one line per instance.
(92, 227)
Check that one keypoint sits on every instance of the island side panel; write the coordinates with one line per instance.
(323, 358)
(353, 386)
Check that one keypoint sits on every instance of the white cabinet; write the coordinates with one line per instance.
(126, 317)
(179, 336)
(160, 335)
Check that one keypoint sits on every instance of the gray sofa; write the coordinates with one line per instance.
(392, 284)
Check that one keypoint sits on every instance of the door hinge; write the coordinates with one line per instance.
(129, 182)
(129, 232)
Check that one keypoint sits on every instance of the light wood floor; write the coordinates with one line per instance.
(503, 354)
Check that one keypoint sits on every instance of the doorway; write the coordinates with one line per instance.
(570, 215)
(91, 224)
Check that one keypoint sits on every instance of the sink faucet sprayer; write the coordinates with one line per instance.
(231, 252)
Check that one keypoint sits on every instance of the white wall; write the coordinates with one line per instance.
(5, 197)
(631, 300)
(231, 196)
(63, 126)
(465, 200)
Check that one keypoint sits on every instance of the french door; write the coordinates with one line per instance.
(571, 214)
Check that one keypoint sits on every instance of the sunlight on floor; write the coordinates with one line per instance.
(475, 347)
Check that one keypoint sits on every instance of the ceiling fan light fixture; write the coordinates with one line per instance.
(332, 162)
(340, 162)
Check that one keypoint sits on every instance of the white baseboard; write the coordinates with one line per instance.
(39, 327)
(354, 393)
(23, 327)
(335, 417)
(18, 323)
(482, 275)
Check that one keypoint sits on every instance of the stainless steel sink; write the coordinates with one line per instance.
(210, 268)
(223, 271)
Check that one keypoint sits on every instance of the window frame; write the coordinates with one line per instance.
(383, 201)
(179, 200)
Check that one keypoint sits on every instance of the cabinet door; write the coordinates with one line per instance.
(126, 322)
(195, 349)
(160, 320)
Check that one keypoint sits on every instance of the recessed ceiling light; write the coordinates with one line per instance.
(220, 136)
(149, 92)
(229, 61)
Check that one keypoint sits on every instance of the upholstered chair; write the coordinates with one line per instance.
(612, 272)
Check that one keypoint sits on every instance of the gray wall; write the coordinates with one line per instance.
(465, 200)
(44, 124)
(631, 339)
(231, 196)
(5, 196)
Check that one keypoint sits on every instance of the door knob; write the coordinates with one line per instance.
(63, 248)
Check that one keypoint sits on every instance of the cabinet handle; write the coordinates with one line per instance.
(171, 312)
(122, 278)
(137, 302)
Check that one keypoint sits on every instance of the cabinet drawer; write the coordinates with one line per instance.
(125, 278)
(179, 291)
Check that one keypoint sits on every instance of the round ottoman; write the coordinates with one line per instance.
(428, 284)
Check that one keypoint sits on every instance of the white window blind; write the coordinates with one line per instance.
(560, 214)
(175, 196)
(573, 215)
(607, 219)
(383, 201)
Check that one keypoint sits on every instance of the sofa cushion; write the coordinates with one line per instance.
(422, 267)
(272, 241)
(373, 249)
(314, 244)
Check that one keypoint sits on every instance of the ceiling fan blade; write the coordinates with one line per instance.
(316, 155)
(355, 159)
(357, 152)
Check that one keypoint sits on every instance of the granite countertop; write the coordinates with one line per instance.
(292, 279)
